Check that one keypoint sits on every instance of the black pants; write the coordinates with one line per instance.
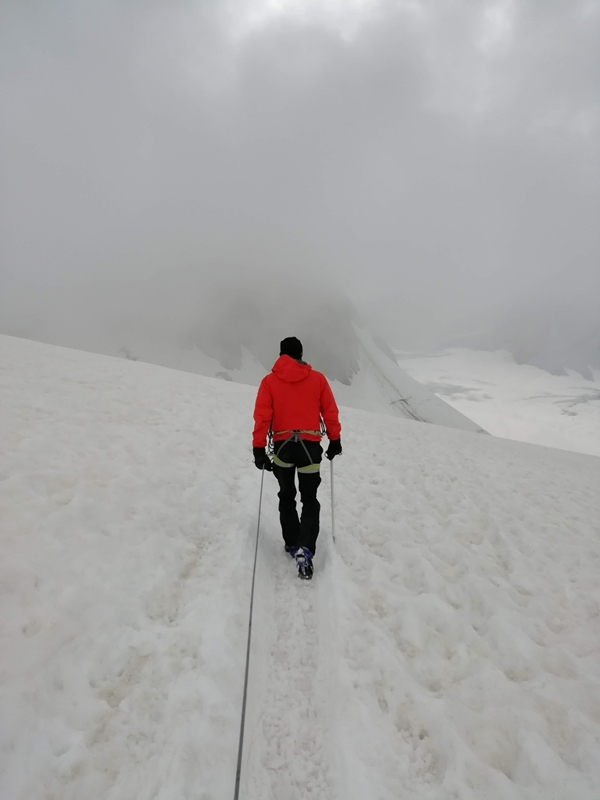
(301, 532)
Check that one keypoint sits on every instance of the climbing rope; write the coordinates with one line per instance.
(238, 773)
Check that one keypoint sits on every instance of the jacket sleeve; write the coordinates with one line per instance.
(329, 411)
(263, 414)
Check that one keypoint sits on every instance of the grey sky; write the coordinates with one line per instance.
(438, 162)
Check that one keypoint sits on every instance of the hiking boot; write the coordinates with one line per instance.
(303, 558)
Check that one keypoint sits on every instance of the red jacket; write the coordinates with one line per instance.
(294, 397)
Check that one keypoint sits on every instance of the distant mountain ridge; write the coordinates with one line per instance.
(554, 342)
(362, 369)
(231, 329)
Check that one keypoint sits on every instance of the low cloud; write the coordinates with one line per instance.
(435, 166)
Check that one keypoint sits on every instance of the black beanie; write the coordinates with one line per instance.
(291, 347)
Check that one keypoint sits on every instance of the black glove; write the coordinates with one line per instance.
(334, 449)
(261, 459)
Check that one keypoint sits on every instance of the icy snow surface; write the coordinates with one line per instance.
(516, 401)
(448, 647)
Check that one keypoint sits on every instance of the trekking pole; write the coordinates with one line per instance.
(332, 504)
(238, 772)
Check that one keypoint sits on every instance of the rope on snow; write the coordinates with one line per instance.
(238, 773)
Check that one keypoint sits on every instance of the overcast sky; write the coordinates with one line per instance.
(438, 162)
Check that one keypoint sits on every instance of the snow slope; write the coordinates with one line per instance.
(516, 401)
(448, 646)
(375, 382)
(380, 385)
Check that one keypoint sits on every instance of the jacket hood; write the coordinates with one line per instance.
(290, 370)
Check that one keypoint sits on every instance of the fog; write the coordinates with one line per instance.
(235, 171)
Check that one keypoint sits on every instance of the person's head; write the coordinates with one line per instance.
(291, 347)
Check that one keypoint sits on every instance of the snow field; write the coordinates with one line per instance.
(123, 582)
(470, 616)
(448, 647)
(515, 401)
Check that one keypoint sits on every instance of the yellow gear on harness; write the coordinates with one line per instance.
(295, 437)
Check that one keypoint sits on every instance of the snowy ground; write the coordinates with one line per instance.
(515, 401)
(448, 647)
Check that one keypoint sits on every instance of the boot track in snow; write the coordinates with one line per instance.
(289, 755)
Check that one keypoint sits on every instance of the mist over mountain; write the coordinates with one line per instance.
(220, 311)
(257, 318)
(554, 333)
(578, 354)
(164, 165)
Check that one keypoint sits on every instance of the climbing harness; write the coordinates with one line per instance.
(238, 773)
(294, 437)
